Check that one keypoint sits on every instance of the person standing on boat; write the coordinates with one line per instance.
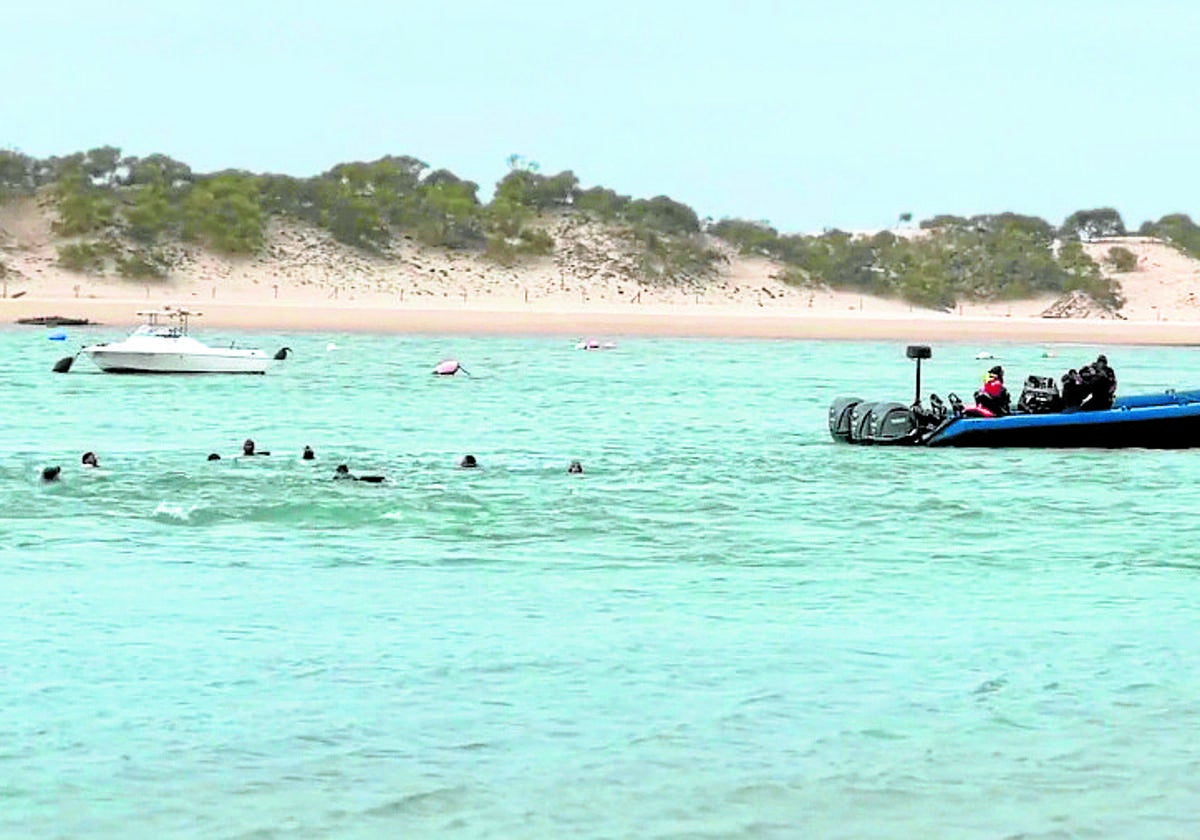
(1103, 383)
(993, 396)
(1091, 388)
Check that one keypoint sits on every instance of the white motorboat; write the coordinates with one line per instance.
(162, 345)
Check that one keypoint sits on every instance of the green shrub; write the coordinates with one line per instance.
(84, 257)
(1121, 259)
(148, 264)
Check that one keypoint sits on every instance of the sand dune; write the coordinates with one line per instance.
(306, 280)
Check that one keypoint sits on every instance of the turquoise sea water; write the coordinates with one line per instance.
(729, 626)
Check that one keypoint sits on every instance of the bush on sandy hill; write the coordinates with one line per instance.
(1005, 256)
(1179, 230)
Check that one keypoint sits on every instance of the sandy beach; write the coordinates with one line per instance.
(304, 280)
(603, 322)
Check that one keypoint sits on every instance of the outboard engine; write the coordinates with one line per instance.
(854, 420)
(839, 417)
(860, 422)
(891, 422)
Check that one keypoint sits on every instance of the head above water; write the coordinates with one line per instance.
(575, 467)
(468, 462)
(90, 460)
(213, 456)
(308, 454)
(342, 469)
(248, 447)
(51, 473)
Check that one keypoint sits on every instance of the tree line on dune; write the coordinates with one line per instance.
(123, 212)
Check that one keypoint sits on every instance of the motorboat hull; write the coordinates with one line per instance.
(128, 361)
(1165, 420)
(1148, 427)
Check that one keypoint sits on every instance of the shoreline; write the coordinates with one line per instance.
(598, 321)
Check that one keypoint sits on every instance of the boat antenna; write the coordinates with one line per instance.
(918, 352)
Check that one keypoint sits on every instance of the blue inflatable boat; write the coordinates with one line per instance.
(1165, 420)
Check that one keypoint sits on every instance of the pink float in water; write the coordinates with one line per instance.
(449, 367)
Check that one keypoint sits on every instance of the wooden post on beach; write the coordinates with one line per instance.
(276, 288)
(527, 295)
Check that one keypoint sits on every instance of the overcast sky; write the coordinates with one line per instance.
(807, 115)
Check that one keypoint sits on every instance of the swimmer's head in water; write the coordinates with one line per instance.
(468, 462)
(308, 454)
(213, 456)
(248, 447)
(51, 473)
(575, 467)
(90, 459)
(342, 469)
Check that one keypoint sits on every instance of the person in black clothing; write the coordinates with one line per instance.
(993, 395)
(1091, 388)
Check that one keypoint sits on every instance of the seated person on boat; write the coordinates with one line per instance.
(992, 399)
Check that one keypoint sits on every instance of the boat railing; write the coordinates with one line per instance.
(169, 322)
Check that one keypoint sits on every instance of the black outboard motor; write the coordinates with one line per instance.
(860, 422)
(892, 423)
(839, 417)
(854, 420)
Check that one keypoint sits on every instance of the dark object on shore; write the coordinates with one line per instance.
(51, 473)
(64, 364)
(54, 321)
(282, 353)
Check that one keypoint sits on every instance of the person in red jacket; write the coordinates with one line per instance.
(993, 396)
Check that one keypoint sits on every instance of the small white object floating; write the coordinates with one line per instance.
(593, 344)
(449, 367)
(983, 354)
(330, 347)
